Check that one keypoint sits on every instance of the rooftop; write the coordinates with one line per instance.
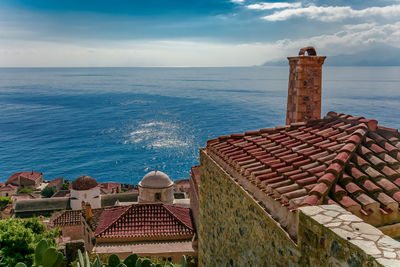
(55, 182)
(8, 187)
(31, 175)
(156, 179)
(350, 161)
(145, 220)
(67, 217)
(84, 183)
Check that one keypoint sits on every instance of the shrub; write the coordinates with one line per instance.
(4, 201)
(48, 191)
(19, 237)
(25, 191)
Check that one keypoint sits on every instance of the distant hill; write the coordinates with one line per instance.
(379, 56)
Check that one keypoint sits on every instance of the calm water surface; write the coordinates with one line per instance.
(116, 124)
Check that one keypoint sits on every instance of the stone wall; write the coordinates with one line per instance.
(235, 230)
(194, 200)
(74, 232)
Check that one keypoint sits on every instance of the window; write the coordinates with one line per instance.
(158, 196)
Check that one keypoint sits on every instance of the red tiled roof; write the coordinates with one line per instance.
(339, 159)
(31, 175)
(110, 187)
(84, 183)
(8, 187)
(145, 220)
(55, 182)
(67, 217)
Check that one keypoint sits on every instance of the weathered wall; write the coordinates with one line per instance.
(74, 232)
(194, 200)
(234, 230)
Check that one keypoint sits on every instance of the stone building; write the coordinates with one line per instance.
(8, 190)
(194, 181)
(56, 183)
(156, 226)
(85, 189)
(26, 179)
(110, 188)
(154, 230)
(156, 187)
(315, 192)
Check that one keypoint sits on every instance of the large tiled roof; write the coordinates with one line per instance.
(67, 218)
(145, 220)
(31, 175)
(339, 159)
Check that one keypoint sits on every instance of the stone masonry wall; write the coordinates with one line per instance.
(235, 230)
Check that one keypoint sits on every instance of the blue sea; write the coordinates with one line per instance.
(117, 124)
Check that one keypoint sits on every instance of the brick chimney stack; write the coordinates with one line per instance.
(304, 93)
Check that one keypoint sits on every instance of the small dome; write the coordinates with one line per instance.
(156, 179)
(84, 183)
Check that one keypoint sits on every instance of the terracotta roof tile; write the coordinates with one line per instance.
(145, 220)
(31, 175)
(67, 217)
(340, 159)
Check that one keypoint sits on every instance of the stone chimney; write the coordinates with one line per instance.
(304, 93)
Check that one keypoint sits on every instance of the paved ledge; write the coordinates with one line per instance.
(384, 249)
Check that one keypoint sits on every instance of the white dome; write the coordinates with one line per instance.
(156, 179)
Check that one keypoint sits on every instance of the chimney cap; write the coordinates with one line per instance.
(310, 51)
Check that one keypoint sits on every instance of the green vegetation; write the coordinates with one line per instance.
(19, 238)
(25, 191)
(45, 256)
(4, 201)
(48, 191)
(65, 185)
(131, 261)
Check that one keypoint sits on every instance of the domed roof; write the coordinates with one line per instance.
(84, 183)
(156, 179)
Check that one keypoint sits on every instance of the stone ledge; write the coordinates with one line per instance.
(382, 248)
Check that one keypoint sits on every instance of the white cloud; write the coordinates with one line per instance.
(237, 1)
(351, 39)
(348, 41)
(277, 5)
(335, 13)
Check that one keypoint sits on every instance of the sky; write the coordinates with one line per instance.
(194, 33)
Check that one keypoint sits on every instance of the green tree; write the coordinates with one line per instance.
(4, 201)
(65, 185)
(25, 191)
(19, 237)
(48, 191)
